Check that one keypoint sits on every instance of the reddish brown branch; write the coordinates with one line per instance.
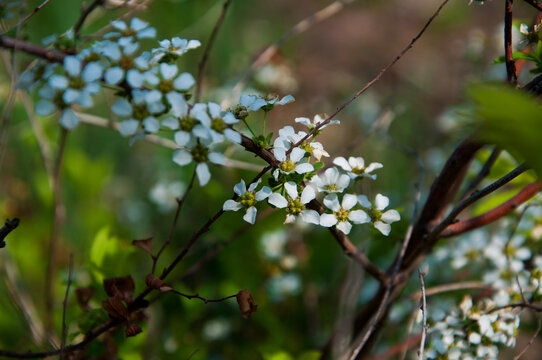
(534, 4)
(196, 296)
(492, 215)
(32, 49)
(85, 12)
(510, 63)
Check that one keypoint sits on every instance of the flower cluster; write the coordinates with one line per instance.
(473, 332)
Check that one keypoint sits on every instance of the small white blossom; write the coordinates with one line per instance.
(318, 119)
(255, 102)
(125, 33)
(287, 165)
(355, 167)
(191, 124)
(342, 213)
(165, 80)
(295, 204)
(247, 199)
(125, 64)
(381, 219)
(200, 154)
(172, 49)
(218, 123)
(331, 181)
(138, 111)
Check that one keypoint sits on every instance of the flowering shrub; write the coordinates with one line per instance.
(153, 97)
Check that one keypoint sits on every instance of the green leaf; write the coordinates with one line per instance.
(317, 166)
(516, 55)
(511, 119)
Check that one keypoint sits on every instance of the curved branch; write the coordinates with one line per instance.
(32, 49)
(534, 4)
(463, 226)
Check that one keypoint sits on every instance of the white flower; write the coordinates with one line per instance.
(125, 64)
(342, 213)
(296, 205)
(254, 102)
(165, 80)
(272, 243)
(331, 181)
(125, 33)
(190, 123)
(138, 111)
(315, 122)
(286, 165)
(355, 167)
(218, 123)
(172, 49)
(247, 199)
(508, 254)
(284, 285)
(200, 154)
(288, 137)
(381, 220)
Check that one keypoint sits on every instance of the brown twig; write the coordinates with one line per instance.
(203, 63)
(450, 287)
(511, 74)
(36, 9)
(490, 216)
(534, 4)
(522, 352)
(180, 203)
(32, 49)
(484, 171)
(196, 296)
(58, 219)
(64, 307)
(516, 305)
(421, 275)
(85, 12)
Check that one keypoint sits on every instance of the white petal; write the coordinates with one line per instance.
(151, 124)
(291, 189)
(297, 154)
(310, 216)
(231, 205)
(250, 216)
(308, 194)
(148, 33)
(331, 175)
(358, 217)
(72, 65)
(70, 96)
(254, 185)
(381, 202)
(118, 24)
(373, 166)
(277, 200)
(390, 216)
(290, 219)
(58, 81)
(182, 157)
(257, 104)
(332, 202)
(170, 122)
(240, 188)
(68, 119)
(364, 201)
(92, 72)
(178, 104)
(217, 158)
(304, 168)
(232, 135)
(122, 107)
(137, 24)
(264, 193)
(341, 161)
(114, 75)
(214, 109)
(345, 227)
(304, 121)
(184, 81)
(45, 108)
(343, 181)
(328, 220)
(285, 100)
(202, 171)
(280, 153)
(128, 127)
(168, 71)
(382, 227)
(182, 138)
(134, 78)
(349, 201)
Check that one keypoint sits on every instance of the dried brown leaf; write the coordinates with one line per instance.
(144, 244)
(246, 303)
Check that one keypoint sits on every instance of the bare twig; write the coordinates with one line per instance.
(85, 12)
(272, 49)
(36, 9)
(516, 305)
(534, 4)
(32, 49)
(450, 287)
(180, 203)
(64, 307)
(510, 63)
(424, 316)
(205, 58)
(483, 172)
(196, 296)
(522, 352)
(58, 219)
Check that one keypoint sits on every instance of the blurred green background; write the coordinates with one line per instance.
(114, 193)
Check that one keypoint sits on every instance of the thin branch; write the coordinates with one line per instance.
(32, 49)
(511, 74)
(36, 9)
(272, 49)
(196, 296)
(424, 316)
(450, 287)
(64, 307)
(58, 219)
(516, 305)
(85, 12)
(205, 58)
(535, 4)
(397, 348)
(180, 203)
(490, 216)
(436, 232)
(522, 352)
(483, 172)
